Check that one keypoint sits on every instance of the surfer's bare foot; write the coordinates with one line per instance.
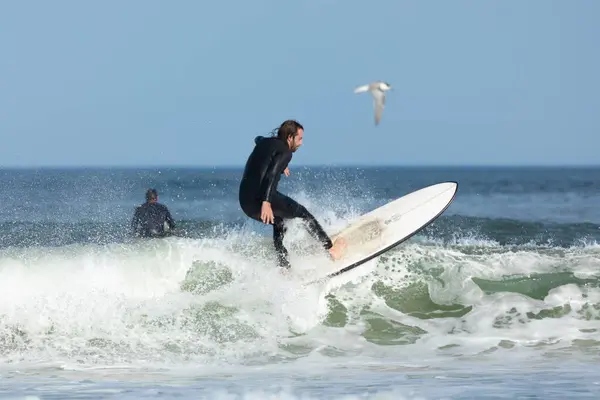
(337, 250)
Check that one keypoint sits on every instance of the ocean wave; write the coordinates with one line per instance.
(221, 301)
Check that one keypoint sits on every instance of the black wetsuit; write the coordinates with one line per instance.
(149, 220)
(264, 167)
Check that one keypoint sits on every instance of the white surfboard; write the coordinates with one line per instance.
(380, 230)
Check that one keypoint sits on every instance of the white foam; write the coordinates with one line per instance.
(122, 305)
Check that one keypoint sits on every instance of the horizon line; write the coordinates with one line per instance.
(241, 166)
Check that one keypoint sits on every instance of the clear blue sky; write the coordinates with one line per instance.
(192, 82)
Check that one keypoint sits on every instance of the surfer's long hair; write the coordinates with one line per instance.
(287, 129)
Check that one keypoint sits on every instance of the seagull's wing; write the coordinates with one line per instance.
(378, 104)
(361, 89)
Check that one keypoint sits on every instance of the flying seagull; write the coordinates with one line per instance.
(378, 90)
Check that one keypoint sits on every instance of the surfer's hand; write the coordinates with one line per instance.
(266, 213)
(286, 171)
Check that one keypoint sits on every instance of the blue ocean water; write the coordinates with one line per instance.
(498, 298)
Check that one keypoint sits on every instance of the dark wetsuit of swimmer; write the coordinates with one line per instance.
(264, 167)
(149, 220)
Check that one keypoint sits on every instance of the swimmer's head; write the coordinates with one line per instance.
(151, 196)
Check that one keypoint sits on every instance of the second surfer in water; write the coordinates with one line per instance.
(258, 193)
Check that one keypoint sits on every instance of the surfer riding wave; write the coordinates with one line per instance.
(258, 195)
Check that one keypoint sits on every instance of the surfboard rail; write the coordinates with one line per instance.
(369, 218)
